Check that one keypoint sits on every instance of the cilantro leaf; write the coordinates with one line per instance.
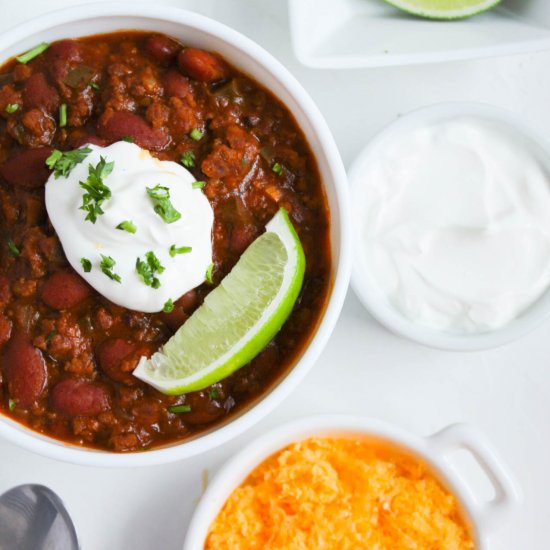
(147, 269)
(127, 225)
(96, 191)
(196, 134)
(277, 168)
(31, 54)
(63, 162)
(86, 265)
(106, 265)
(208, 274)
(161, 202)
(188, 159)
(180, 408)
(214, 394)
(181, 250)
(13, 248)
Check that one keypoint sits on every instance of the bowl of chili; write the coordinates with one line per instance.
(88, 76)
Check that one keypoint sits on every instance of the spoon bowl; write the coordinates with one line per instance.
(33, 517)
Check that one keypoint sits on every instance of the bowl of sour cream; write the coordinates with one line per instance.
(451, 212)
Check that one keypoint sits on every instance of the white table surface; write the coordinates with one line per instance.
(364, 369)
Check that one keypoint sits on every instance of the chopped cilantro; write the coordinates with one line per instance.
(97, 192)
(31, 54)
(11, 108)
(147, 268)
(94, 85)
(277, 168)
(188, 159)
(208, 274)
(179, 250)
(214, 393)
(128, 139)
(63, 115)
(49, 336)
(180, 408)
(63, 162)
(11, 405)
(106, 265)
(13, 248)
(198, 184)
(162, 205)
(127, 225)
(86, 265)
(168, 306)
(196, 134)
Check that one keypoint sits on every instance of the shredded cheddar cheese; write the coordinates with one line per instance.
(340, 494)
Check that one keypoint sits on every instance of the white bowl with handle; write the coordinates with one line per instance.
(435, 451)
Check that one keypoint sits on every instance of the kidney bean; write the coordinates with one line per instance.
(176, 85)
(60, 57)
(123, 123)
(200, 65)
(78, 397)
(203, 411)
(38, 94)
(64, 51)
(64, 290)
(162, 48)
(28, 168)
(242, 236)
(79, 142)
(24, 369)
(189, 301)
(175, 318)
(183, 307)
(117, 359)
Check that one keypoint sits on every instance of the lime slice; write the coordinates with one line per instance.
(237, 319)
(444, 9)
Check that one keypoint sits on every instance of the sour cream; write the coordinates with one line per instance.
(455, 223)
(133, 172)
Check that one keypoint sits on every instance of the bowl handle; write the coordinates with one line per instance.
(507, 493)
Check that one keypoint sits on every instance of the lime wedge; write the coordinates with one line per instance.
(444, 9)
(237, 319)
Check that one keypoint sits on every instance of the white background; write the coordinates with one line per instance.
(364, 369)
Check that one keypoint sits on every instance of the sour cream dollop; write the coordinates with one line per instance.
(133, 172)
(455, 223)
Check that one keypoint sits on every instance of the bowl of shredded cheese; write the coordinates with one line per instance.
(350, 482)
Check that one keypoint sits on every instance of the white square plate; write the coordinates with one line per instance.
(333, 34)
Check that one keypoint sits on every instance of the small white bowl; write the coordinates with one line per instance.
(344, 34)
(434, 450)
(202, 32)
(363, 283)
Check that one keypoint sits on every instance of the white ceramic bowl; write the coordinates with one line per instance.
(364, 284)
(199, 31)
(344, 34)
(434, 450)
